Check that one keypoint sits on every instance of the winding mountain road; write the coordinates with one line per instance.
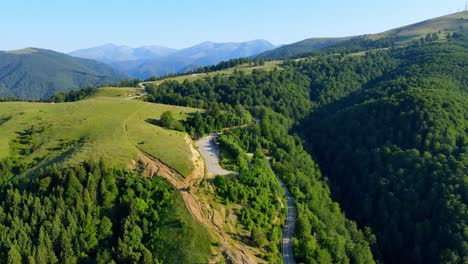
(142, 85)
(210, 154)
(289, 227)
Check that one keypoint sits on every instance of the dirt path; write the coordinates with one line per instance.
(232, 250)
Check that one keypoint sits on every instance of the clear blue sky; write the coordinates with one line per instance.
(65, 25)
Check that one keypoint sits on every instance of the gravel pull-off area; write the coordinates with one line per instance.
(210, 152)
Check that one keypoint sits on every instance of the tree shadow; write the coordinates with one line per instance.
(152, 121)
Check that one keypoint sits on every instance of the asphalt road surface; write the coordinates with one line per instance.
(289, 227)
(210, 153)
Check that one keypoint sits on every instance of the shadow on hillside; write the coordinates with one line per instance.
(153, 121)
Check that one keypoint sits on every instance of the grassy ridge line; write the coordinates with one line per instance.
(446, 24)
(99, 127)
(269, 65)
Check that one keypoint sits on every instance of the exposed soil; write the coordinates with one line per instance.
(199, 206)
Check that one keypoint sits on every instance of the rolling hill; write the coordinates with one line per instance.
(38, 74)
(300, 47)
(93, 149)
(73, 135)
(445, 24)
(144, 62)
(451, 23)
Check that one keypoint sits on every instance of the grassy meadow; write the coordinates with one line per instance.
(107, 125)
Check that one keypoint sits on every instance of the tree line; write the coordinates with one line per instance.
(387, 133)
(279, 98)
(90, 213)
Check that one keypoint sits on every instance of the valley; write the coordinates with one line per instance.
(89, 129)
(327, 150)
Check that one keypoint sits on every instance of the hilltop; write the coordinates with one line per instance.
(457, 22)
(442, 25)
(34, 73)
(300, 47)
(107, 125)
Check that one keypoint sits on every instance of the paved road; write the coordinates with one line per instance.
(210, 153)
(289, 227)
(142, 85)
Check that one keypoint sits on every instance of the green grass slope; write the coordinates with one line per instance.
(246, 68)
(457, 22)
(300, 47)
(38, 74)
(108, 125)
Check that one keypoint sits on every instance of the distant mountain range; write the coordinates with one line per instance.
(38, 74)
(450, 23)
(147, 61)
(112, 53)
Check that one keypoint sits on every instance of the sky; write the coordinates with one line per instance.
(67, 25)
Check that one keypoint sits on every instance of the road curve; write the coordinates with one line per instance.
(289, 227)
(210, 153)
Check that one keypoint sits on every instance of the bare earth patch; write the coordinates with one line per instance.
(234, 251)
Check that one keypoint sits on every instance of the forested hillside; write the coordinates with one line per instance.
(278, 99)
(392, 139)
(300, 47)
(370, 135)
(387, 129)
(38, 74)
(90, 213)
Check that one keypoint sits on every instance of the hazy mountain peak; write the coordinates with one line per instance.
(108, 45)
(114, 53)
(22, 51)
(149, 60)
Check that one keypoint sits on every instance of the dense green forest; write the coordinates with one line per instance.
(285, 91)
(279, 99)
(394, 147)
(90, 213)
(388, 131)
(372, 145)
(258, 191)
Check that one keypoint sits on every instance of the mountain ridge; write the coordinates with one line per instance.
(35, 73)
(150, 63)
(443, 24)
